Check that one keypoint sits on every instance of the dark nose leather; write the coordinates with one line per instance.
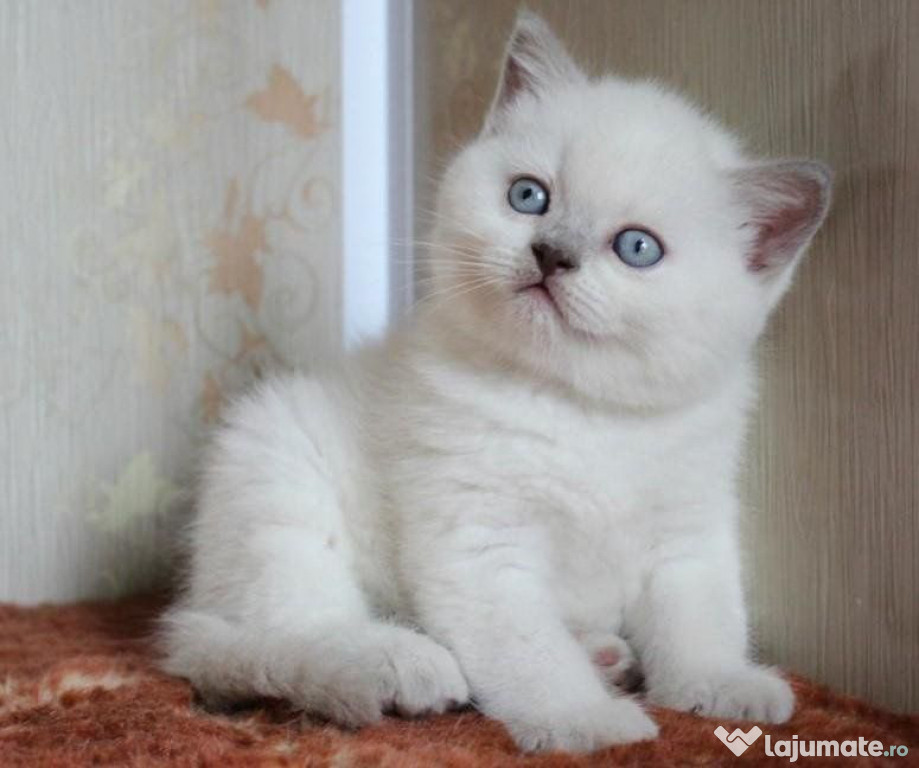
(551, 259)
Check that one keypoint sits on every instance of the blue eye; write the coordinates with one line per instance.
(638, 248)
(526, 195)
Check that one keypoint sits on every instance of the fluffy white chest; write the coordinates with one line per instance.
(605, 494)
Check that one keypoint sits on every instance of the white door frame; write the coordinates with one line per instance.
(377, 164)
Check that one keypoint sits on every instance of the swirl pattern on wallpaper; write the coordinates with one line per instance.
(172, 232)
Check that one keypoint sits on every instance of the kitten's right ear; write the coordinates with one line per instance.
(786, 202)
(534, 61)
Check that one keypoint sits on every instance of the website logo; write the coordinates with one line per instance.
(794, 748)
(738, 741)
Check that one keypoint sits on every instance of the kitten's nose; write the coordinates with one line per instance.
(551, 259)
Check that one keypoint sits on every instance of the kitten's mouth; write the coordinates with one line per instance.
(542, 293)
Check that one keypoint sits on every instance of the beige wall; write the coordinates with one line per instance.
(168, 225)
(833, 483)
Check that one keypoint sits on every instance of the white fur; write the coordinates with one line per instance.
(501, 488)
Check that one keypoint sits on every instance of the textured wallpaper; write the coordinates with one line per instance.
(169, 229)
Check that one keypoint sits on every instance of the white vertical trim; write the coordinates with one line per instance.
(376, 164)
(365, 169)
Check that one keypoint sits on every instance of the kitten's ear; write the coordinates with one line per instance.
(535, 60)
(787, 202)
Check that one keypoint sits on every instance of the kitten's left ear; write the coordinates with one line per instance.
(534, 61)
(787, 202)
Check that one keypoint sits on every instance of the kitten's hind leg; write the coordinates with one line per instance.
(350, 672)
(308, 637)
(277, 601)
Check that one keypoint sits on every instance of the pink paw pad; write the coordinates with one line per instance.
(607, 657)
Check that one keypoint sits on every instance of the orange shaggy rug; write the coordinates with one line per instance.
(78, 686)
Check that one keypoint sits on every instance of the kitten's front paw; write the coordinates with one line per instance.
(583, 728)
(748, 693)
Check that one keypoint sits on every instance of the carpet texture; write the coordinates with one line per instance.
(78, 686)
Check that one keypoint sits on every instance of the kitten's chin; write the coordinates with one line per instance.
(527, 335)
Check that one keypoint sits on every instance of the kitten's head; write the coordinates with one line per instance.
(607, 234)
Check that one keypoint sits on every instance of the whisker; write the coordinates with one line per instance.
(453, 292)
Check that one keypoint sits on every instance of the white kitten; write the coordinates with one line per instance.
(541, 461)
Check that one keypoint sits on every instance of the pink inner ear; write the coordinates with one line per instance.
(514, 80)
(524, 47)
(789, 203)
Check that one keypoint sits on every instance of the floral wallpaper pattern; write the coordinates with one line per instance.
(170, 229)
